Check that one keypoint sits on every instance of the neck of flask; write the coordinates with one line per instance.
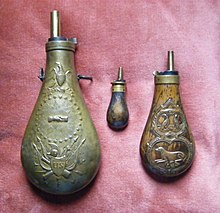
(60, 53)
(166, 87)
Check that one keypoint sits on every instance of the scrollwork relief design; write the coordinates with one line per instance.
(169, 149)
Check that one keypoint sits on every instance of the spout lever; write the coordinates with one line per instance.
(79, 77)
(41, 75)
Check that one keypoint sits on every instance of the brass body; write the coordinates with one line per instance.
(167, 147)
(117, 113)
(60, 149)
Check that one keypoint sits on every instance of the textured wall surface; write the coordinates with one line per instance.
(135, 35)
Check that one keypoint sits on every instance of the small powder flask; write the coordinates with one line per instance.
(60, 150)
(117, 114)
(167, 147)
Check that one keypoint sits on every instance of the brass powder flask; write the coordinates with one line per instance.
(60, 149)
(167, 147)
(117, 113)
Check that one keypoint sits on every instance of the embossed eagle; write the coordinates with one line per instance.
(56, 162)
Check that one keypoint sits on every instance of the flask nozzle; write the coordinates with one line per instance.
(120, 74)
(170, 64)
(55, 30)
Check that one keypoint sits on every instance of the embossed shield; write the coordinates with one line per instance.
(60, 79)
(58, 165)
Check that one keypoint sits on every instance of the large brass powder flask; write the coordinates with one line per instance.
(60, 150)
(167, 147)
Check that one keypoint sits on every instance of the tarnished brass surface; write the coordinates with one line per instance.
(118, 88)
(166, 79)
(167, 147)
(60, 149)
(117, 114)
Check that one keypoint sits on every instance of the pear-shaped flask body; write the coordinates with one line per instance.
(167, 147)
(60, 149)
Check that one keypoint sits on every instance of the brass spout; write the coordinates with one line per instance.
(170, 65)
(55, 30)
(120, 74)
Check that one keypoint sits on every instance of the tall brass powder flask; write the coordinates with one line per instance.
(167, 147)
(60, 149)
